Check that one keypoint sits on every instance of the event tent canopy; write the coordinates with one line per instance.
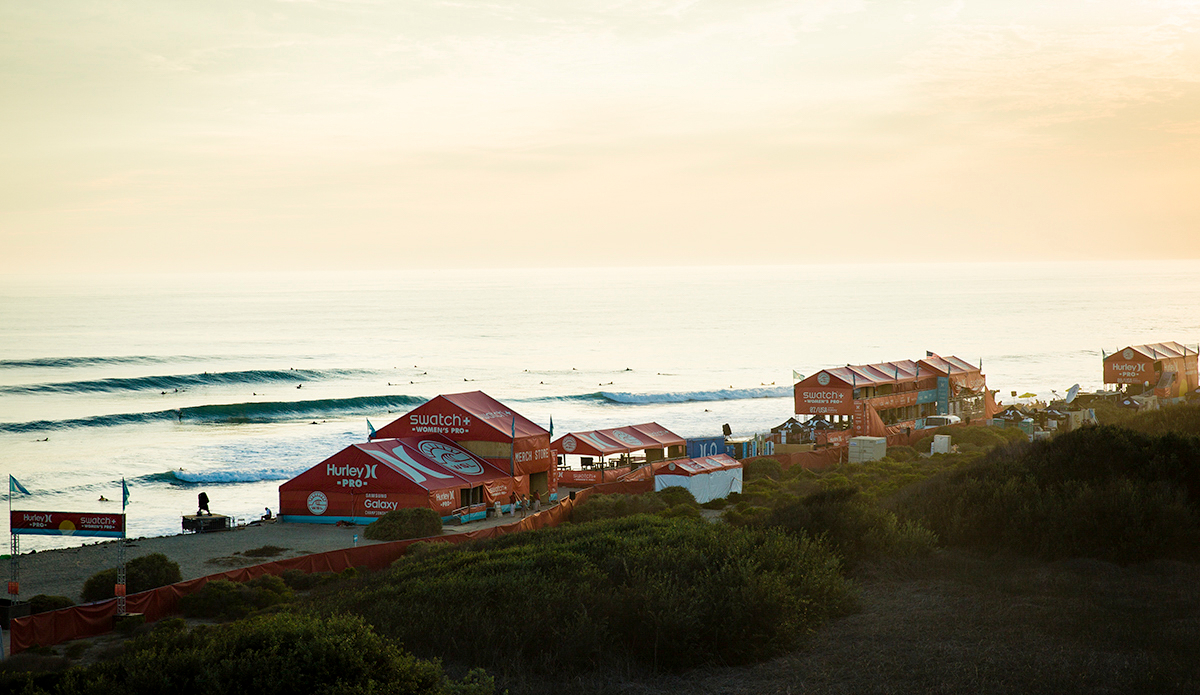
(365, 481)
(482, 425)
(618, 440)
(707, 478)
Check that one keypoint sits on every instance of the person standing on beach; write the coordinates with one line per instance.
(203, 503)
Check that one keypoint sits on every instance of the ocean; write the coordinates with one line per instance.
(232, 384)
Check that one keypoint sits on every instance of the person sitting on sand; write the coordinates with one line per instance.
(267, 516)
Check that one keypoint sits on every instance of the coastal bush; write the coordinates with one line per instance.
(851, 523)
(616, 506)
(675, 495)
(402, 524)
(664, 593)
(141, 574)
(762, 468)
(1179, 419)
(299, 580)
(268, 655)
(226, 600)
(43, 603)
(1103, 492)
(902, 454)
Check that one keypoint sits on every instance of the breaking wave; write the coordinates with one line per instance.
(212, 477)
(234, 413)
(623, 398)
(173, 382)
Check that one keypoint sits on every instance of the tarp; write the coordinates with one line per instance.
(617, 440)
(365, 481)
(483, 425)
(587, 478)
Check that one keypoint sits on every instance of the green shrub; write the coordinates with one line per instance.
(402, 524)
(902, 453)
(299, 580)
(762, 468)
(276, 654)
(675, 495)
(662, 592)
(718, 503)
(681, 511)
(852, 524)
(616, 506)
(1103, 492)
(225, 600)
(43, 603)
(141, 574)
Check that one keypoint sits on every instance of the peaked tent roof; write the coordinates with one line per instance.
(1158, 351)
(618, 440)
(485, 416)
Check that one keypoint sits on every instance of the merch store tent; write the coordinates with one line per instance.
(708, 478)
(657, 441)
(489, 429)
(365, 481)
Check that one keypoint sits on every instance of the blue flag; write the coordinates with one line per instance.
(124, 494)
(14, 486)
(552, 427)
(370, 430)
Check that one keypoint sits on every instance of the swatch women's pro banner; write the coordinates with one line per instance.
(68, 524)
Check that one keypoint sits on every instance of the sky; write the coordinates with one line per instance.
(339, 134)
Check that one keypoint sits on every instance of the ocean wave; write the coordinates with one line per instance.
(233, 413)
(68, 362)
(213, 477)
(623, 398)
(173, 382)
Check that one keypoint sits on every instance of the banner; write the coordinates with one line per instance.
(823, 400)
(68, 524)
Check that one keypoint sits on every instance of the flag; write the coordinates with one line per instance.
(370, 429)
(552, 427)
(928, 354)
(796, 376)
(124, 494)
(14, 486)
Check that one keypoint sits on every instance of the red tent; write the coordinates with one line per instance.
(489, 429)
(478, 419)
(365, 481)
(620, 440)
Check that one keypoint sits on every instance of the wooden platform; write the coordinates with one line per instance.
(205, 523)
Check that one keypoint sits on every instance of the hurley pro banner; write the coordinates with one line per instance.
(68, 524)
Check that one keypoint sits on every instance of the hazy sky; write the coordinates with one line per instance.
(256, 134)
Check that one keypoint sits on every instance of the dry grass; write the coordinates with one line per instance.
(963, 623)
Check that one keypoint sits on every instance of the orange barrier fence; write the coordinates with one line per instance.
(91, 619)
(811, 460)
(571, 477)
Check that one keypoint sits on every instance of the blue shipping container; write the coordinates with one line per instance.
(705, 446)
